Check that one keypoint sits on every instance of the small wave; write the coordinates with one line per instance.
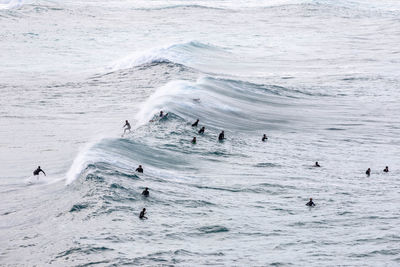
(213, 229)
(182, 6)
(185, 54)
(78, 207)
(83, 250)
(265, 164)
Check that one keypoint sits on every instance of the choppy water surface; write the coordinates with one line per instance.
(320, 78)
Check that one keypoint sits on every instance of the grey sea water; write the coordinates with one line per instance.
(320, 78)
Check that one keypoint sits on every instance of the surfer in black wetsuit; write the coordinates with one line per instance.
(195, 123)
(128, 127)
(139, 169)
(201, 131)
(317, 164)
(146, 192)
(386, 169)
(38, 170)
(194, 140)
(310, 203)
(368, 172)
(221, 136)
(142, 213)
(264, 138)
(161, 114)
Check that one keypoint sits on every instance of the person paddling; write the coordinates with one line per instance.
(201, 131)
(195, 123)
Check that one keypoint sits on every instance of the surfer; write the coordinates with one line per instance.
(142, 213)
(264, 138)
(195, 123)
(317, 164)
(139, 169)
(128, 127)
(146, 192)
(201, 131)
(161, 114)
(310, 203)
(38, 170)
(194, 140)
(368, 172)
(386, 169)
(221, 136)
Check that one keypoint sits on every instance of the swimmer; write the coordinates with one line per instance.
(195, 123)
(368, 172)
(386, 169)
(142, 213)
(128, 127)
(317, 164)
(161, 113)
(221, 136)
(146, 192)
(201, 131)
(264, 138)
(310, 203)
(37, 171)
(139, 169)
(194, 140)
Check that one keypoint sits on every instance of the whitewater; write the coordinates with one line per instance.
(320, 78)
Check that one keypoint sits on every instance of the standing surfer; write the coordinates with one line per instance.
(128, 127)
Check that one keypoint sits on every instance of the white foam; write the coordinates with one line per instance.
(154, 55)
(80, 161)
(174, 91)
(10, 4)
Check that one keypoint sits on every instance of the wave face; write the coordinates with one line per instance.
(190, 54)
(319, 78)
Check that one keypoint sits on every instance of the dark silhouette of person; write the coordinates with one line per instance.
(128, 127)
(310, 203)
(139, 169)
(195, 123)
(386, 169)
(38, 170)
(194, 140)
(161, 113)
(317, 164)
(146, 192)
(142, 214)
(264, 138)
(221, 136)
(201, 131)
(368, 172)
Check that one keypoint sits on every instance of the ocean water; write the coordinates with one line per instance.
(321, 78)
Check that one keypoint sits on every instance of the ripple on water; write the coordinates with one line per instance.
(213, 229)
(79, 207)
